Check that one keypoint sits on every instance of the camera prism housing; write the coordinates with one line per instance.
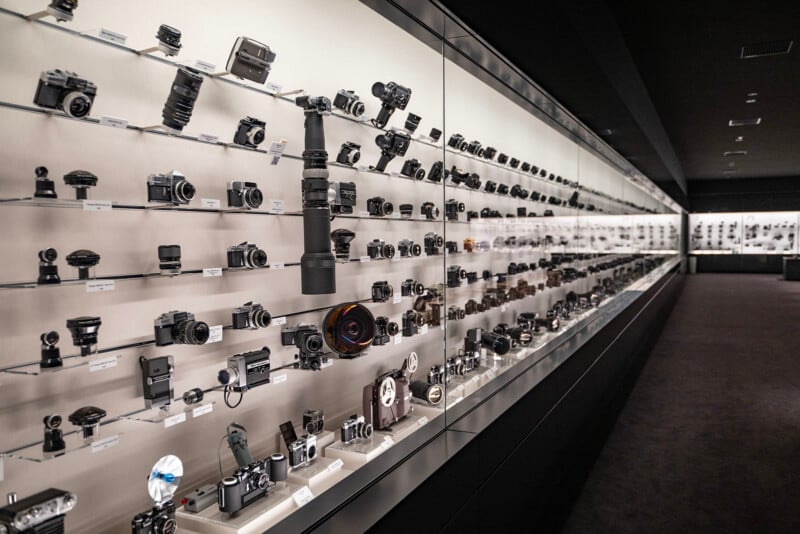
(246, 370)
(65, 91)
(170, 188)
(248, 484)
(250, 60)
(179, 327)
(349, 102)
(158, 375)
(251, 132)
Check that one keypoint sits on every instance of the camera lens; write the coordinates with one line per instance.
(191, 332)
(388, 251)
(77, 104)
(256, 258)
(180, 102)
(193, 396)
(261, 317)
(349, 329)
(387, 208)
(496, 343)
(254, 197)
(314, 343)
(52, 421)
(356, 108)
(50, 338)
(392, 328)
(48, 255)
(378, 88)
(184, 191)
(256, 136)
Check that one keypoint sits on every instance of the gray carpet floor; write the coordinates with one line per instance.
(709, 440)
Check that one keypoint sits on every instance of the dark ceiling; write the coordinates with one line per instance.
(659, 81)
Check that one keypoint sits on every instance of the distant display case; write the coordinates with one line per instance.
(770, 232)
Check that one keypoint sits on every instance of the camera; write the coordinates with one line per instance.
(301, 450)
(355, 427)
(308, 340)
(250, 316)
(429, 210)
(412, 321)
(250, 132)
(475, 148)
(381, 291)
(378, 207)
(349, 329)
(502, 189)
(157, 378)
(244, 195)
(81, 181)
(452, 208)
(341, 238)
(182, 96)
(438, 375)
(454, 275)
(42, 513)
(392, 96)
(250, 60)
(433, 242)
(513, 163)
(62, 10)
(502, 158)
(65, 90)
(517, 334)
(430, 393)
(471, 307)
(490, 186)
(51, 354)
(383, 330)
(451, 247)
(386, 399)
(454, 313)
(458, 142)
(247, 484)
(392, 144)
(471, 180)
(313, 421)
(472, 277)
(179, 327)
(489, 152)
(84, 333)
(246, 255)
(406, 247)
(553, 278)
(349, 153)
(525, 166)
(170, 188)
(245, 371)
(348, 102)
(53, 435)
(435, 134)
(343, 197)
(410, 288)
(88, 418)
(413, 169)
(438, 172)
(45, 187)
(517, 191)
(169, 259)
(48, 271)
(158, 520)
(379, 249)
(412, 123)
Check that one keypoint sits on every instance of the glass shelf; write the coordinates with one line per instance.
(34, 453)
(172, 414)
(33, 369)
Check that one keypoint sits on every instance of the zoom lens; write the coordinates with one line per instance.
(182, 96)
(77, 105)
(496, 343)
(184, 191)
(349, 329)
(262, 318)
(191, 332)
(254, 197)
(256, 257)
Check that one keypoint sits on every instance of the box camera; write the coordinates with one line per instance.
(246, 255)
(413, 169)
(381, 291)
(458, 142)
(158, 375)
(452, 208)
(65, 90)
(344, 197)
(250, 132)
(433, 242)
(392, 144)
(349, 153)
(250, 483)
(438, 172)
(308, 340)
(244, 195)
(179, 327)
(407, 247)
(410, 288)
(379, 207)
(392, 96)
(313, 421)
(251, 315)
(387, 399)
(170, 188)
(348, 102)
(383, 330)
(250, 60)
(378, 249)
(42, 513)
(355, 427)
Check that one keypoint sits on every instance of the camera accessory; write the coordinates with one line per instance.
(502, 159)
(412, 122)
(435, 134)
(433, 242)
(308, 340)
(158, 375)
(84, 333)
(81, 181)
(236, 436)
(431, 393)
(406, 210)
(163, 482)
(179, 327)
(410, 288)
(413, 169)
(65, 90)
(454, 313)
(244, 372)
(250, 60)
(458, 142)
(170, 188)
(406, 247)
(200, 499)
(378, 207)
(348, 102)
(250, 132)
(548, 213)
(475, 148)
(355, 428)
(383, 330)
(251, 315)
(470, 245)
(246, 255)
(250, 483)
(169, 259)
(452, 208)
(88, 418)
(45, 187)
(490, 186)
(379, 249)
(244, 195)
(349, 153)
(301, 450)
(313, 421)
(495, 342)
(169, 40)
(349, 329)
(471, 180)
(381, 291)
(412, 321)
(341, 238)
(182, 95)
(429, 210)
(392, 144)
(513, 163)
(193, 396)
(53, 435)
(392, 96)
(438, 172)
(51, 355)
(386, 399)
(48, 271)
(454, 275)
(517, 191)
(42, 513)
(522, 211)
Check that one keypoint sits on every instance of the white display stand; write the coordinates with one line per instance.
(319, 475)
(420, 416)
(359, 452)
(324, 438)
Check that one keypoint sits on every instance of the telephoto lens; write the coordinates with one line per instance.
(349, 329)
(182, 96)
(496, 343)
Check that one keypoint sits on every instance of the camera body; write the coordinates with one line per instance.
(517, 191)
(42, 513)
(392, 144)
(407, 247)
(513, 163)
(250, 316)
(471, 180)
(378, 249)
(433, 242)
(250, 133)
(179, 327)
(348, 102)
(410, 288)
(452, 208)
(381, 291)
(502, 158)
(490, 186)
(65, 90)
(246, 255)
(53, 443)
(458, 142)
(250, 483)
(392, 96)
(379, 207)
(489, 152)
(302, 451)
(349, 153)
(455, 274)
(412, 321)
(309, 342)
(384, 329)
(250, 60)
(438, 172)
(475, 148)
(344, 197)
(170, 188)
(454, 313)
(158, 520)
(354, 428)
(429, 210)
(158, 375)
(413, 169)
(246, 370)
(387, 399)
(244, 195)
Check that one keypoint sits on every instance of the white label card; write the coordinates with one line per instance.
(387, 442)
(97, 286)
(176, 419)
(207, 138)
(212, 272)
(276, 266)
(365, 259)
(302, 496)
(323, 365)
(113, 122)
(398, 339)
(102, 363)
(397, 299)
(280, 378)
(105, 443)
(96, 205)
(503, 308)
(215, 334)
(422, 421)
(210, 203)
(278, 321)
(336, 465)
(395, 215)
(363, 214)
(276, 206)
(275, 151)
(483, 352)
(112, 36)
(202, 410)
(274, 87)
(206, 66)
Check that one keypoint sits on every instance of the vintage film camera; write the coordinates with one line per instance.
(65, 90)
(41, 513)
(387, 399)
(250, 483)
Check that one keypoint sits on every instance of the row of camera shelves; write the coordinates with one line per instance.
(276, 150)
(768, 233)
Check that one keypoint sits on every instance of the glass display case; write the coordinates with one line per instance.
(767, 232)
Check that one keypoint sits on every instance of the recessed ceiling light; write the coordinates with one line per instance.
(739, 138)
(750, 101)
(744, 122)
(735, 153)
(752, 94)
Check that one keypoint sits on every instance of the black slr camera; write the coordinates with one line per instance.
(379, 249)
(250, 132)
(433, 242)
(170, 188)
(406, 247)
(411, 288)
(455, 274)
(244, 195)
(378, 207)
(348, 102)
(502, 158)
(489, 152)
(246, 255)
(514, 163)
(413, 168)
(250, 483)
(438, 172)
(251, 316)
(458, 142)
(392, 96)
(471, 180)
(179, 327)
(412, 321)
(349, 154)
(65, 90)
(381, 291)
(384, 328)
(475, 148)
(490, 186)
(344, 197)
(452, 208)
(308, 340)
(392, 144)
(429, 210)
(158, 520)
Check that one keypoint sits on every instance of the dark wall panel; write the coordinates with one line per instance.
(762, 194)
